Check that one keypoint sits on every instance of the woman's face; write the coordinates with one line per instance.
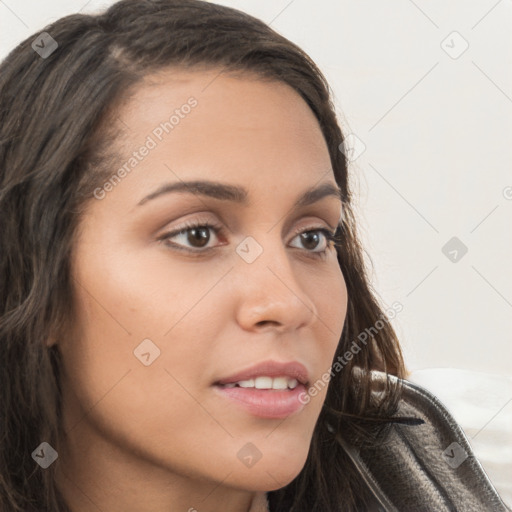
(162, 317)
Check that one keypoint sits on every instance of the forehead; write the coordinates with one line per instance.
(241, 129)
(242, 93)
(242, 105)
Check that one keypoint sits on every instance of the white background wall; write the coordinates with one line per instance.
(437, 164)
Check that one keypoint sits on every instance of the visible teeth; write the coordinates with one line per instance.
(280, 383)
(265, 382)
(292, 383)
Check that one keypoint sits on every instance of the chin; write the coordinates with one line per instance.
(267, 476)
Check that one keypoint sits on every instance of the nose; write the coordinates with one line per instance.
(270, 291)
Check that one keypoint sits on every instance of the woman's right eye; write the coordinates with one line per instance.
(193, 233)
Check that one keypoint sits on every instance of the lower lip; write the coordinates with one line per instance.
(266, 403)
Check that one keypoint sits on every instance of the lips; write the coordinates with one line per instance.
(265, 403)
(292, 370)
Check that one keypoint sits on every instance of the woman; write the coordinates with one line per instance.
(183, 291)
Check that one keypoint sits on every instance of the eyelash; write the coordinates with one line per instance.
(219, 230)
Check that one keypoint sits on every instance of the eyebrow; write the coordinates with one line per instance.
(238, 194)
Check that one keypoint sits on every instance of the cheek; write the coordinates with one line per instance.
(130, 312)
(140, 407)
(331, 299)
(331, 302)
(124, 340)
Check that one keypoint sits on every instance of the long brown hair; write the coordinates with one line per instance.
(54, 149)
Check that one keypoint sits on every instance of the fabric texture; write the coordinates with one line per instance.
(424, 465)
(481, 404)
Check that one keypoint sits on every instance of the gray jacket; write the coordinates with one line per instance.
(428, 466)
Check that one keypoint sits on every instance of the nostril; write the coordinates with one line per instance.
(265, 322)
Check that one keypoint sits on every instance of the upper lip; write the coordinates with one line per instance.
(292, 369)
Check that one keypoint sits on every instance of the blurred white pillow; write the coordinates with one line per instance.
(481, 403)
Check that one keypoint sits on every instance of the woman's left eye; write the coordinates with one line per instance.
(314, 237)
(197, 235)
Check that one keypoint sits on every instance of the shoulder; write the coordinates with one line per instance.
(425, 461)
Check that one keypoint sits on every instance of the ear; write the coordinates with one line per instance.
(52, 338)
(50, 341)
